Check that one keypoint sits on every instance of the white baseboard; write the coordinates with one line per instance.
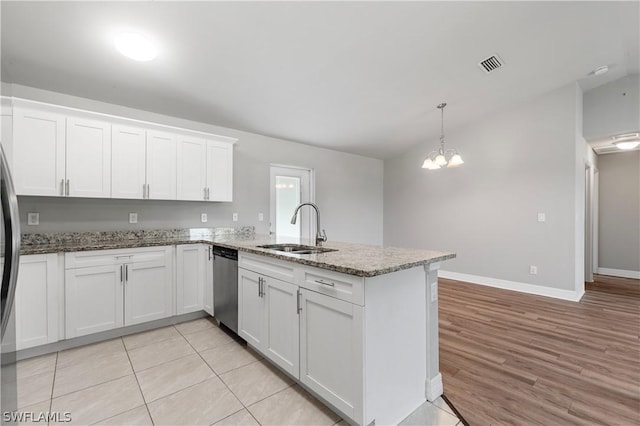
(434, 388)
(539, 290)
(619, 273)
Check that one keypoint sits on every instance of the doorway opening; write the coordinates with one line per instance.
(290, 186)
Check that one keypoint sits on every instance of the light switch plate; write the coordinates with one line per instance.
(260, 217)
(133, 217)
(542, 217)
(203, 217)
(235, 217)
(533, 270)
(434, 292)
(33, 218)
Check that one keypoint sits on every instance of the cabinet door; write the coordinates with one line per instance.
(282, 338)
(38, 152)
(88, 158)
(190, 281)
(93, 299)
(208, 280)
(331, 351)
(192, 174)
(128, 162)
(148, 289)
(161, 165)
(219, 171)
(251, 309)
(36, 301)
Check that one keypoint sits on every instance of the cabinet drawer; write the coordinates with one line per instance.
(275, 268)
(349, 288)
(86, 259)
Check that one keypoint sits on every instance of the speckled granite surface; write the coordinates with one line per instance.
(354, 259)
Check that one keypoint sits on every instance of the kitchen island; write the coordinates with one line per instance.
(356, 326)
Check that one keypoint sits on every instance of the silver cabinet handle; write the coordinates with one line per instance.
(210, 250)
(298, 301)
(126, 272)
(148, 191)
(329, 283)
(259, 284)
(204, 197)
(67, 187)
(62, 187)
(121, 274)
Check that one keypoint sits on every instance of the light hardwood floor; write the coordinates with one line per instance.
(513, 358)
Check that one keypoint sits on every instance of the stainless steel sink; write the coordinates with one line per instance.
(297, 248)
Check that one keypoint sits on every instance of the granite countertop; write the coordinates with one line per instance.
(354, 259)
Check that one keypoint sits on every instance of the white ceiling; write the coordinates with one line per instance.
(361, 77)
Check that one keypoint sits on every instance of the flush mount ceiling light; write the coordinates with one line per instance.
(136, 46)
(627, 141)
(442, 157)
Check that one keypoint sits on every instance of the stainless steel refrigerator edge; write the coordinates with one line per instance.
(9, 253)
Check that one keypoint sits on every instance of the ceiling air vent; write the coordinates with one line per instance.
(492, 63)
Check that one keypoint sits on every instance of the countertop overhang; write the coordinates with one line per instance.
(354, 259)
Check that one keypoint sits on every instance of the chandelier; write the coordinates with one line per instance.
(442, 157)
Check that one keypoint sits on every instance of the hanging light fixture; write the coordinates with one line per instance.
(442, 157)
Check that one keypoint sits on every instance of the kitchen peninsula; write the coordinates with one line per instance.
(357, 326)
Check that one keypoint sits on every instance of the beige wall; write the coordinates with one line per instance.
(519, 162)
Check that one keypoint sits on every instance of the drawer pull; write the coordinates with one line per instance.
(329, 283)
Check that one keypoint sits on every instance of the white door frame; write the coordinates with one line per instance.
(306, 224)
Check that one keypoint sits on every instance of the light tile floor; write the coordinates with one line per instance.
(188, 374)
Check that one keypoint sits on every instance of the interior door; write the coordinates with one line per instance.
(290, 186)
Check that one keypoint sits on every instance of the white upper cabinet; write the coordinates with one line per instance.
(88, 158)
(162, 172)
(219, 171)
(38, 152)
(192, 168)
(58, 151)
(128, 162)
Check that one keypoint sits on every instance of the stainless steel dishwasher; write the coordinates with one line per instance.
(225, 286)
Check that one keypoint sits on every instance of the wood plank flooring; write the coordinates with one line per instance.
(519, 359)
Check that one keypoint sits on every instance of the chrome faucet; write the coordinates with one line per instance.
(320, 238)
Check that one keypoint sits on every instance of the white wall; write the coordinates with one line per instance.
(619, 213)
(348, 187)
(612, 108)
(519, 162)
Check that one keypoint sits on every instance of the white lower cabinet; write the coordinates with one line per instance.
(191, 259)
(148, 290)
(331, 350)
(113, 288)
(36, 301)
(208, 281)
(93, 300)
(268, 318)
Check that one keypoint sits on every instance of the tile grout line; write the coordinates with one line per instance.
(135, 374)
(55, 370)
(244, 407)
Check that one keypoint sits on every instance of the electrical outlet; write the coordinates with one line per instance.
(533, 270)
(542, 217)
(434, 292)
(203, 217)
(133, 217)
(235, 217)
(260, 217)
(33, 218)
